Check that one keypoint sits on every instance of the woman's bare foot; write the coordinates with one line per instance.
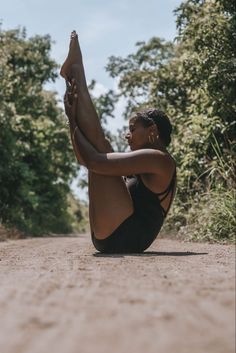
(74, 57)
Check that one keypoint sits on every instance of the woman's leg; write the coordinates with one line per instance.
(72, 112)
(110, 201)
(110, 204)
(87, 117)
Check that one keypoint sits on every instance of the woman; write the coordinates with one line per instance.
(125, 217)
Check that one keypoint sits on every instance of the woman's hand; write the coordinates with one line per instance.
(70, 102)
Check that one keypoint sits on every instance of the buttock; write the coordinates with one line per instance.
(134, 235)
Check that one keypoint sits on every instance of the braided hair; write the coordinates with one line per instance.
(152, 116)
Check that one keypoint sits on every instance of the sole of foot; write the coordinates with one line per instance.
(73, 57)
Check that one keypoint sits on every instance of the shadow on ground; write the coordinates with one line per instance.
(153, 253)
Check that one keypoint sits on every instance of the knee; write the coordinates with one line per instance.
(103, 145)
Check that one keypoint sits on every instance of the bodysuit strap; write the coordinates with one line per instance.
(165, 193)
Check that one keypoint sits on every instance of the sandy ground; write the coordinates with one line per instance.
(57, 295)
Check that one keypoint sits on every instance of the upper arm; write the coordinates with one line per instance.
(127, 163)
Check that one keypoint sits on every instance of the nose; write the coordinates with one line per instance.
(127, 135)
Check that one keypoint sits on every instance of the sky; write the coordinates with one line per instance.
(105, 28)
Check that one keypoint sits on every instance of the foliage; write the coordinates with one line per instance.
(36, 159)
(211, 217)
(78, 211)
(187, 81)
(141, 73)
(207, 41)
(193, 80)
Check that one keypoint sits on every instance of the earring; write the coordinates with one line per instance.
(151, 139)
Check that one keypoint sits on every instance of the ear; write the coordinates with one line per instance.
(153, 130)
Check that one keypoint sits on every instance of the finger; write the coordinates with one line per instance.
(74, 89)
(68, 85)
(72, 84)
(67, 103)
(75, 92)
(66, 96)
(68, 88)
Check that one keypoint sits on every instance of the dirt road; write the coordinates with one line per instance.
(57, 295)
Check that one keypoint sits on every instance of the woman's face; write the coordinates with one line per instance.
(137, 136)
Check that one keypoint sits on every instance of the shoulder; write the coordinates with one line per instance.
(166, 162)
(158, 181)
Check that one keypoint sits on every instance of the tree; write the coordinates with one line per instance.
(36, 160)
(140, 74)
(206, 37)
(193, 80)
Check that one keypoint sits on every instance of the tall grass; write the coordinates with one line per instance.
(211, 215)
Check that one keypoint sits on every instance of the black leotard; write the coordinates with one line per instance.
(138, 231)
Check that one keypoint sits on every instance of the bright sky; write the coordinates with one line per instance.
(105, 28)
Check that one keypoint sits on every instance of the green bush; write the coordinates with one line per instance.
(211, 217)
(36, 164)
(193, 80)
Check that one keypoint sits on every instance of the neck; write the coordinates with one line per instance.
(158, 145)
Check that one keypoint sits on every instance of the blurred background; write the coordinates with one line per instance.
(175, 55)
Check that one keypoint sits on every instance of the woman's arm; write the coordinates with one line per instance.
(124, 163)
(114, 164)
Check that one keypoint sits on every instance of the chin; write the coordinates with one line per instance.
(134, 148)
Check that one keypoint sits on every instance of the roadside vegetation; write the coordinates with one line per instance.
(192, 79)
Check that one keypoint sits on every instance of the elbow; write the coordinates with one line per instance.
(93, 164)
(97, 164)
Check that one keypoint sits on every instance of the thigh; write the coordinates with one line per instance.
(110, 204)
(125, 239)
(134, 235)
